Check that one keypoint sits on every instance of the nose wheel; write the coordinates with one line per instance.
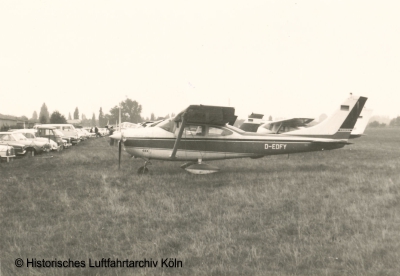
(143, 169)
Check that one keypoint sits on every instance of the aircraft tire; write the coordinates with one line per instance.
(143, 170)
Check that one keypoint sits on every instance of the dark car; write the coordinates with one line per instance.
(50, 133)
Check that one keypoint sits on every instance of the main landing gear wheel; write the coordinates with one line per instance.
(143, 170)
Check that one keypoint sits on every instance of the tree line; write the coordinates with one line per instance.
(130, 112)
(395, 122)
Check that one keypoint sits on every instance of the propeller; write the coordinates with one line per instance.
(120, 141)
(119, 151)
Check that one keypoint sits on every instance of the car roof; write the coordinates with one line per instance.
(24, 130)
(43, 126)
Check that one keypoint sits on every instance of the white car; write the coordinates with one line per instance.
(30, 134)
(103, 131)
(6, 152)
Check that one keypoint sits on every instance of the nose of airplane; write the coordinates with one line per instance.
(116, 136)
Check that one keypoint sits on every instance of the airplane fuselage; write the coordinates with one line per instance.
(157, 143)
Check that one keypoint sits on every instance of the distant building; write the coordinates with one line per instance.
(8, 121)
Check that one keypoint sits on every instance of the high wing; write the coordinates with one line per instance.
(208, 114)
(256, 124)
(285, 125)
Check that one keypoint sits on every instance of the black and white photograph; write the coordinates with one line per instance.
(180, 137)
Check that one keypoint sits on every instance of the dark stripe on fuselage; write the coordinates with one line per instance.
(259, 147)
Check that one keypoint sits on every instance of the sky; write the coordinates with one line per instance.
(280, 58)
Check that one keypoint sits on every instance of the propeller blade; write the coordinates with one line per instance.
(119, 153)
(120, 141)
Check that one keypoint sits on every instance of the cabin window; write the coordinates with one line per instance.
(194, 131)
(214, 132)
(344, 107)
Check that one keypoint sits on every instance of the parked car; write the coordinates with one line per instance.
(103, 131)
(86, 133)
(34, 147)
(19, 148)
(6, 152)
(67, 129)
(66, 140)
(31, 135)
(49, 132)
(82, 135)
(90, 131)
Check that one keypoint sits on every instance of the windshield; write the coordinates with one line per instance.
(19, 137)
(167, 124)
(235, 129)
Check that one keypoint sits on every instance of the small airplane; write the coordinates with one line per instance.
(255, 123)
(202, 132)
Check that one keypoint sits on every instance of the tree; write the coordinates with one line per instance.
(152, 117)
(34, 116)
(395, 122)
(44, 114)
(130, 111)
(101, 118)
(43, 119)
(376, 124)
(93, 120)
(76, 114)
(270, 118)
(83, 117)
(69, 116)
(57, 118)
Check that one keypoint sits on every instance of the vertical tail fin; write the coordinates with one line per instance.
(340, 124)
(361, 124)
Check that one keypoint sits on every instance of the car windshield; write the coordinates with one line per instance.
(5, 137)
(29, 135)
(19, 137)
(58, 132)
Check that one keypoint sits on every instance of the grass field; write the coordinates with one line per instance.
(322, 213)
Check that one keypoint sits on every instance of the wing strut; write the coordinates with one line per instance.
(178, 139)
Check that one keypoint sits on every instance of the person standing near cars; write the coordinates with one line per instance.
(96, 130)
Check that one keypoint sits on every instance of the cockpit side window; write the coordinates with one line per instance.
(193, 130)
(215, 132)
